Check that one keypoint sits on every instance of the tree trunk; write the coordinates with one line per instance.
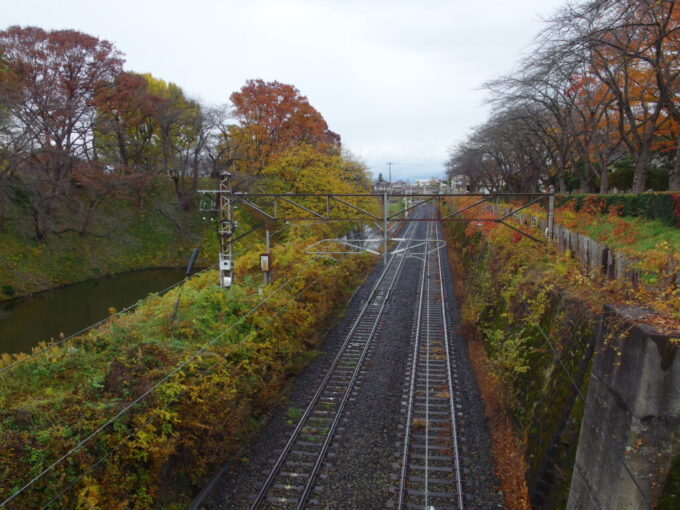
(562, 183)
(674, 173)
(640, 175)
(4, 200)
(39, 226)
(604, 181)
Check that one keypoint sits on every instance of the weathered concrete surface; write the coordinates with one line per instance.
(631, 425)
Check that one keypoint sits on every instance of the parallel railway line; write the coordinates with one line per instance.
(429, 474)
(291, 479)
(430, 470)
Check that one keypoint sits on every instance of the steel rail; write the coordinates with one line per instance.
(238, 194)
(421, 373)
(275, 470)
(322, 454)
(177, 368)
(409, 412)
(454, 427)
(203, 372)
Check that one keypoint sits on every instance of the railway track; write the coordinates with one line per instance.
(429, 474)
(292, 478)
(428, 469)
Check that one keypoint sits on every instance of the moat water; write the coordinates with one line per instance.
(66, 310)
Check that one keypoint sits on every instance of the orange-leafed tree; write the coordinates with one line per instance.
(272, 118)
(634, 47)
(125, 126)
(594, 126)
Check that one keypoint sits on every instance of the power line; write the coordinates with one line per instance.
(129, 308)
(91, 326)
(149, 418)
(420, 164)
(165, 378)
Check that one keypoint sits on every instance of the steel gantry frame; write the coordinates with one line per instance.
(225, 230)
(275, 207)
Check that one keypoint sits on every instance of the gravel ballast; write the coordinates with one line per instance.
(359, 470)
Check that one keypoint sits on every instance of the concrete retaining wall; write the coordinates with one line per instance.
(630, 431)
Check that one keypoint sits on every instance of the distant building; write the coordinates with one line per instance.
(381, 186)
(399, 187)
(459, 183)
(419, 186)
(430, 186)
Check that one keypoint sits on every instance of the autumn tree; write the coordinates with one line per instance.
(305, 169)
(273, 117)
(534, 94)
(600, 87)
(149, 127)
(48, 82)
(184, 130)
(125, 127)
(505, 153)
(629, 48)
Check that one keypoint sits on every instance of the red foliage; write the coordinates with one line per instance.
(615, 211)
(594, 205)
(48, 81)
(623, 232)
(570, 205)
(479, 226)
(273, 118)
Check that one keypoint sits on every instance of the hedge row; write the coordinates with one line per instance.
(664, 207)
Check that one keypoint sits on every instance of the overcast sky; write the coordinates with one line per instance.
(398, 80)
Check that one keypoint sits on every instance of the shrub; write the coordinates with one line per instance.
(7, 290)
(664, 207)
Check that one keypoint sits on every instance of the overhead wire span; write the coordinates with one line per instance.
(174, 399)
(149, 391)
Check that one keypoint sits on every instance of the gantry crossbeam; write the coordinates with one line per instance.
(376, 208)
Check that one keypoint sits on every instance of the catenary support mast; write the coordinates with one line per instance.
(225, 230)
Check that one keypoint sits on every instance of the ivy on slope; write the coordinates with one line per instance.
(536, 314)
(160, 451)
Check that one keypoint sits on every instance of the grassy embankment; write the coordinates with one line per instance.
(531, 313)
(645, 228)
(158, 453)
(125, 234)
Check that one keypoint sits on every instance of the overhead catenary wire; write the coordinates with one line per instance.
(149, 391)
(202, 373)
(372, 315)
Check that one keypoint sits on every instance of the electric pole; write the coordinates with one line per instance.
(225, 230)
